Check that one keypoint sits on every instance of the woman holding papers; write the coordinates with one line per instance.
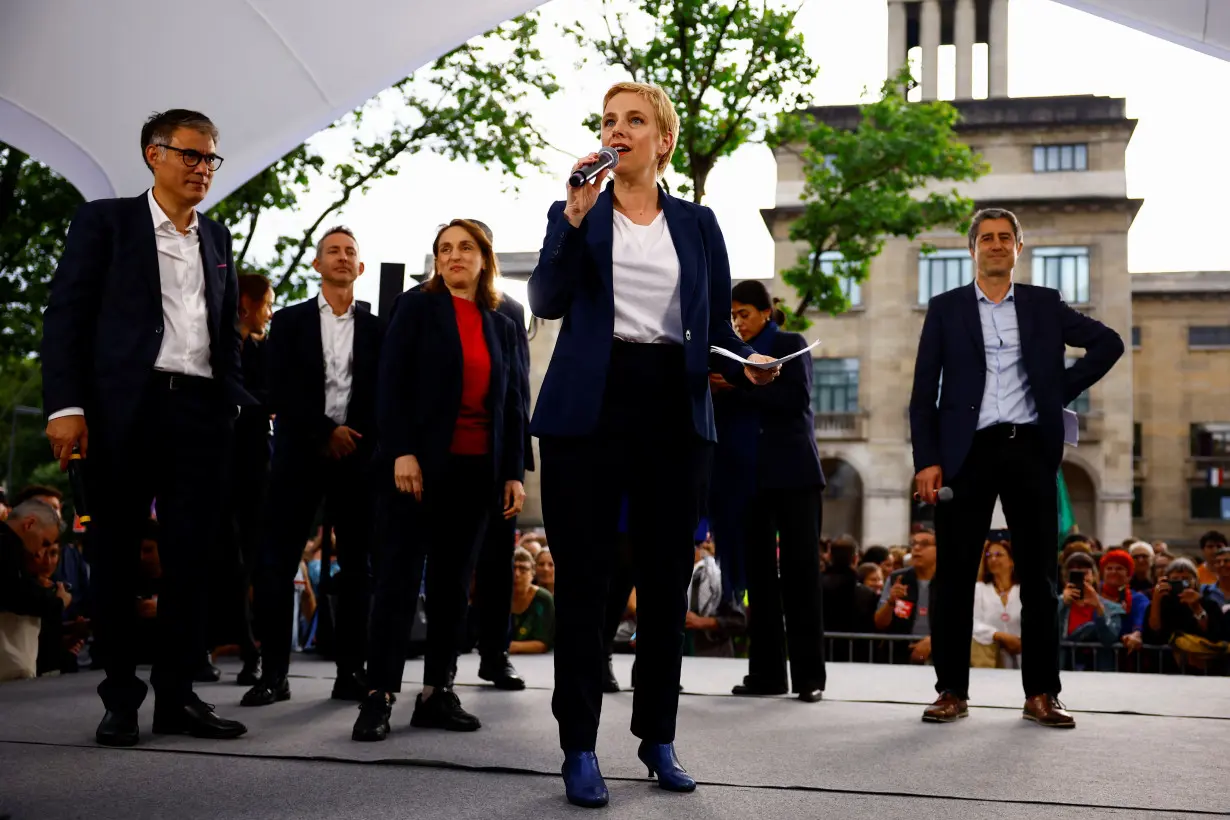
(768, 482)
(641, 280)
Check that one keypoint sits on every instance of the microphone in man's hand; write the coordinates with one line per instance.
(607, 158)
(943, 494)
(76, 479)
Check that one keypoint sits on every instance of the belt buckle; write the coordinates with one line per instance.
(172, 379)
(1011, 432)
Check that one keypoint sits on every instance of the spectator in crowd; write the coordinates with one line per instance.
(1211, 543)
(881, 557)
(1161, 564)
(1160, 547)
(997, 610)
(533, 543)
(1076, 542)
(533, 610)
(544, 570)
(74, 572)
(1087, 617)
(58, 641)
(849, 606)
(1219, 592)
(149, 583)
(1117, 568)
(1183, 617)
(30, 530)
(713, 619)
(905, 603)
(872, 577)
(4, 506)
(897, 557)
(41, 492)
(1142, 568)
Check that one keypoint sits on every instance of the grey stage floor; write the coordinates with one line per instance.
(1146, 746)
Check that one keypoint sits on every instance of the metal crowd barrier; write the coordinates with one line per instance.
(877, 648)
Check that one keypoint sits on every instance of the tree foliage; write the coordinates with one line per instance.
(882, 179)
(729, 67)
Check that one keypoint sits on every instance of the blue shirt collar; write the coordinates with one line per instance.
(982, 297)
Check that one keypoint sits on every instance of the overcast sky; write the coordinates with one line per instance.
(1177, 161)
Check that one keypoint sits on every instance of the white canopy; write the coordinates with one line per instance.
(1203, 25)
(79, 77)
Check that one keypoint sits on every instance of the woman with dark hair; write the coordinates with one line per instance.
(450, 424)
(997, 610)
(641, 281)
(767, 502)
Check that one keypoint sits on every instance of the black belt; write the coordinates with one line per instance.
(1008, 432)
(174, 382)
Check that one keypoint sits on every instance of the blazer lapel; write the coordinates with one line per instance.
(496, 352)
(316, 345)
(685, 234)
(599, 234)
(1024, 316)
(973, 321)
(214, 271)
(147, 259)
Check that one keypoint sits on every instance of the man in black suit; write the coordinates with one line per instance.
(140, 344)
(996, 429)
(323, 359)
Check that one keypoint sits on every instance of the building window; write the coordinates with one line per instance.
(1048, 158)
(1136, 337)
(942, 271)
(1137, 446)
(1080, 404)
(834, 386)
(1210, 440)
(1215, 336)
(830, 264)
(1210, 503)
(1064, 269)
(1138, 501)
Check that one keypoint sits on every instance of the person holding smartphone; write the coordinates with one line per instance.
(1087, 617)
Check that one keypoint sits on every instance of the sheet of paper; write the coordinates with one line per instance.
(763, 365)
(1071, 427)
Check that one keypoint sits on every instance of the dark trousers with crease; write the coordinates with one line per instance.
(493, 579)
(175, 452)
(446, 530)
(785, 608)
(299, 483)
(645, 445)
(1003, 462)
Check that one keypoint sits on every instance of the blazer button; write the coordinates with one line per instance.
(687, 335)
(158, 330)
(972, 407)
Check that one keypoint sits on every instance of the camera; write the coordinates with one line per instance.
(1178, 587)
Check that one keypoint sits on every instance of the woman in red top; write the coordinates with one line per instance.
(450, 446)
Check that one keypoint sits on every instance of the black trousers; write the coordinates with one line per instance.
(619, 589)
(645, 445)
(493, 579)
(298, 485)
(232, 619)
(446, 529)
(786, 608)
(175, 452)
(1003, 462)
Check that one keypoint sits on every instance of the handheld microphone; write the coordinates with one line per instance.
(941, 495)
(76, 478)
(607, 158)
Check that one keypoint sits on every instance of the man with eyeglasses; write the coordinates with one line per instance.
(141, 375)
(32, 528)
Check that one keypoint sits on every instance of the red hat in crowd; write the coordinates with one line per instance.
(1118, 556)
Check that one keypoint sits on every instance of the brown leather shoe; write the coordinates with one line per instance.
(948, 708)
(1046, 710)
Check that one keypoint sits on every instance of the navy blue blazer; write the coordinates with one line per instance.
(780, 444)
(942, 424)
(573, 281)
(296, 361)
(418, 396)
(103, 325)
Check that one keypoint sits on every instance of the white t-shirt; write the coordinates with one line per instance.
(645, 280)
(992, 615)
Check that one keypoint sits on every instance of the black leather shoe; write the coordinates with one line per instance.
(207, 672)
(250, 675)
(198, 719)
(610, 683)
(501, 673)
(373, 721)
(755, 687)
(443, 711)
(350, 686)
(811, 695)
(118, 728)
(267, 692)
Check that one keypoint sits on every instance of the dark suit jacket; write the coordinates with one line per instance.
(511, 308)
(942, 424)
(297, 380)
(103, 325)
(573, 281)
(419, 392)
(781, 438)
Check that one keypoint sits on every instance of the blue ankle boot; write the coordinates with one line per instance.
(583, 781)
(661, 760)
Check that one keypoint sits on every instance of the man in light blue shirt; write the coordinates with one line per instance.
(1006, 398)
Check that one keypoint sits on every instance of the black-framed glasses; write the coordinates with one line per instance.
(193, 158)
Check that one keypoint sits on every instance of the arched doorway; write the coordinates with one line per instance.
(843, 500)
(1083, 497)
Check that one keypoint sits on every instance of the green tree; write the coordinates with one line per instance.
(729, 67)
(36, 205)
(472, 104)
(866, 184)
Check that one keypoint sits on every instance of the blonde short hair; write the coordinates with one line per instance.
(663, 112)
(1142, 548)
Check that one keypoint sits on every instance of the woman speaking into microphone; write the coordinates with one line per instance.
(642, 283)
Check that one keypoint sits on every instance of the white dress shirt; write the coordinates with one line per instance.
(185, 315)
(645, 279)
(1006, 397)
(992, 615)
(337, 341)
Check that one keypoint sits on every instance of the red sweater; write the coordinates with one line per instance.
(471, 434)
